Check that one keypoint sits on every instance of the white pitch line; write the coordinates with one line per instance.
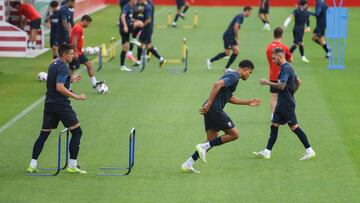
(41, 99)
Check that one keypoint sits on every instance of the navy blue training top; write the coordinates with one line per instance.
(237, 19)
(54, 21)
(231, 80)
(63, 14)
(287, 75)
(58, 72)
(320, 13)
(301, 17)
(129, 12)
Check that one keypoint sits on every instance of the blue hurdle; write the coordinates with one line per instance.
(131, 159)
(336, 34)
(58, 168)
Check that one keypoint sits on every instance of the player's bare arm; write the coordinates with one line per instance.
(249, 102)
(62, 89)
(214, 91)
(277, 85)
(297, 83)
(123, 21)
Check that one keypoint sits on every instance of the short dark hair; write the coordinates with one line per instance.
(54, 4)
(246, 64)
(15, 3)
(86, 18)
(64, 48)
(303, 2)
(278, 32)
(247, 8)
(277, 50)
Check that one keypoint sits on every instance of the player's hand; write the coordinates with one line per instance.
(263, 82)
(75, 78)
(126, 29)
(81, 96)
(205, 108)
(255, 102)
(308, 29)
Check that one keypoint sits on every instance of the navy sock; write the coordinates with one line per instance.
(325, 48)
(154, 52)
(216, 142)
(273, 137)
(131, 46)
(39, 144)
(122, 58)
(185, 9)
(302, 137)
(301, 49)
(264, 21)
(292, 49)
(196, 156)
(231, 60)
(317, 42)
(74, 146)
(217, 57)
(176, 17)
(139, 52)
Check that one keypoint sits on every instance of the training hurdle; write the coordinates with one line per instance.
(131, 159)
(102, 55)
(169, 21)
(58, 168)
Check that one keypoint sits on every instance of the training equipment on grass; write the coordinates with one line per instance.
(131, 159)
(58, 168)
(184, 57)
(170, 18)
(336, 34)
(102, 88)
(106, 55)
(42, 76)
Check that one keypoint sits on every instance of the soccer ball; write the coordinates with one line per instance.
(102, 88)
(96, 50)
(42, 76)
(89, 51)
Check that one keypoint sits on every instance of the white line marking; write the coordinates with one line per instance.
(40, 100)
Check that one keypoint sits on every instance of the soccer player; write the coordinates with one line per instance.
(64, 24)
(29, 13)
(215, 118)
(319, 31)
(57, 108)
(231, 39)
(52, 20)
(301, 15)
(264, 14)
(181, 7)
(287, 84)
(127, 25)
(147, 31)
(274, 69)
(77, 41)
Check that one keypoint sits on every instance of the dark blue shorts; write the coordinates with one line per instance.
(298, 34)
(264, 10)
(229, 41)
(217, 120)
(35, 24)
(284, 114)
(180, 4)
(75, 63)
(125, 37)
(320, 31)
(62, 39)
(54, 113)
(145, 36)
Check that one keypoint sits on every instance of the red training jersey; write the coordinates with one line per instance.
(274, 70)
(28, 11)
(77, 31)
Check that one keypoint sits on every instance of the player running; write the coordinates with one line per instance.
(53, 20)
(319, 31)
(181, 7)
(264, 14)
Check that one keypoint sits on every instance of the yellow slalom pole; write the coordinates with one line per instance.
(184, 47)
(169, 18)
(196, 18)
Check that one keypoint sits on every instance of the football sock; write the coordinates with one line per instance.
(215, 142)
(325, 48)
(273, 137)
(264, 21)
(75, 142)
(72, 163)
(155, 53)
(301, 49)
(317, 42)
(185, 9)
(33, 163)
(139, 52)
(292, 48)
(176, 18)
(131, 47)
(302, 137)
(196, 156)
(231, 60)
(217, 57)
(93, 80)
(122, 58)
(39, 144)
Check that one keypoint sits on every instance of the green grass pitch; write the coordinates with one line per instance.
(163, 106)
